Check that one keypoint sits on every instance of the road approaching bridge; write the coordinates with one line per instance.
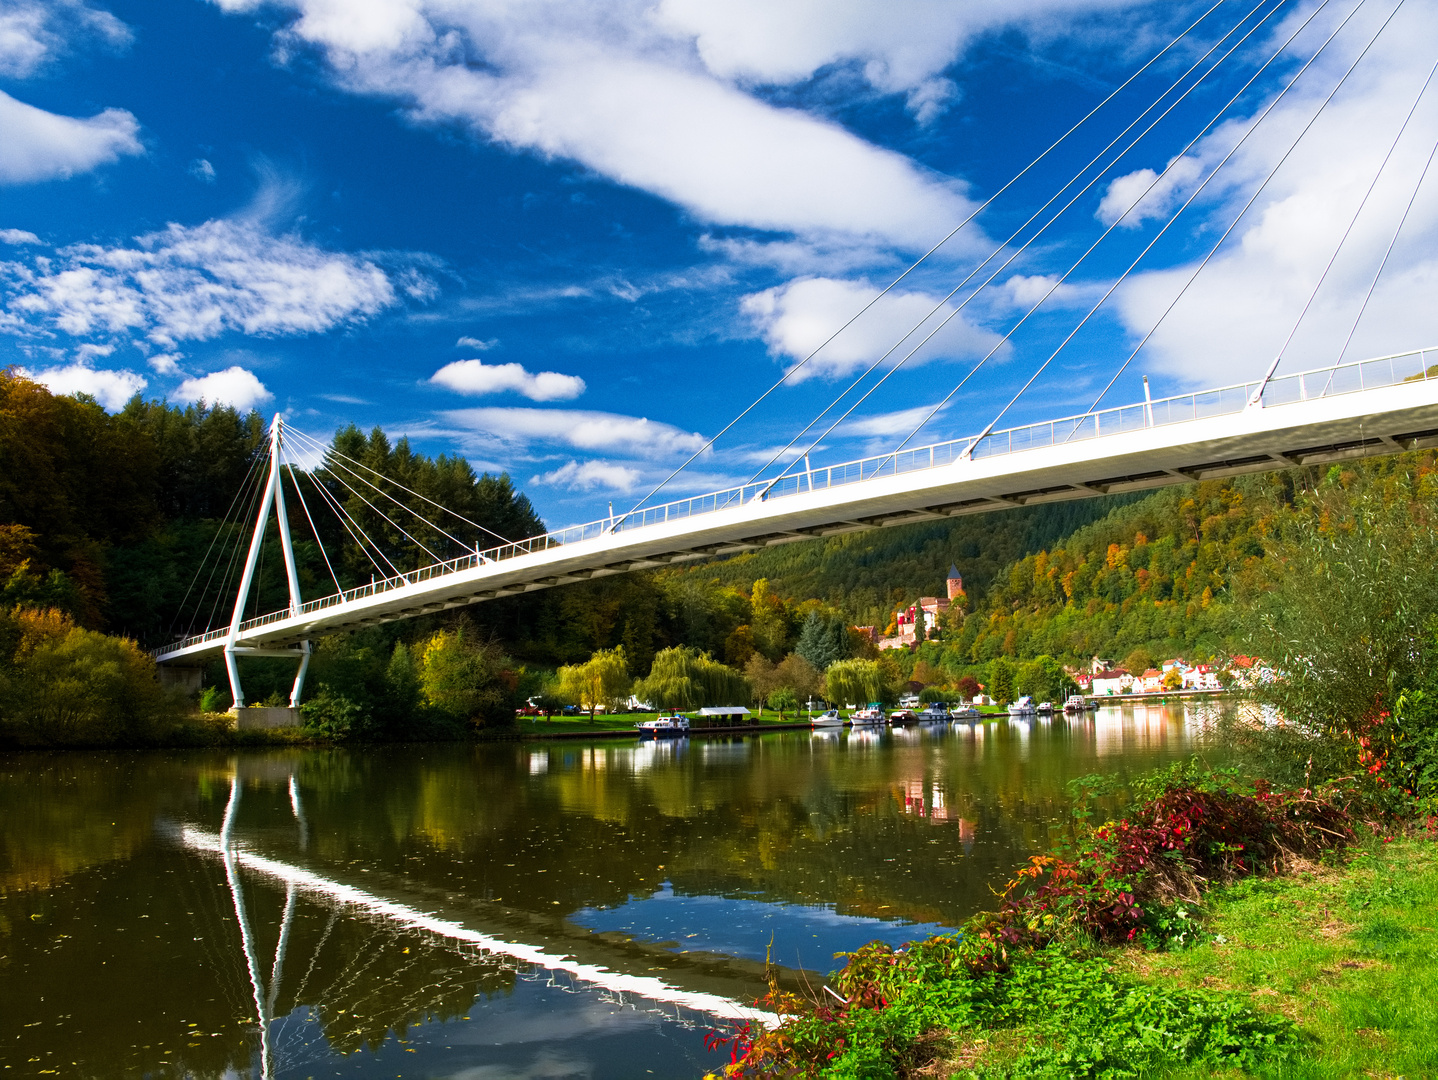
(1354, 410)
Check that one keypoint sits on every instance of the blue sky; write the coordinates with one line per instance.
(572, 241)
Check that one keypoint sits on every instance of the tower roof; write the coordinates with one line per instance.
(954, 571)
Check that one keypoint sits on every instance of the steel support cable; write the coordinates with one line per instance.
(213, 541)
(1237, 218)
(410, 509)
(1384, 262)
(1028, 243)
(357, 533)
(252, 507)
(1028, 314)
(318, 541)
(239, 491)
(917, 262)
(330, 450)
(400, 529)
(1346, 232)
(968, 450)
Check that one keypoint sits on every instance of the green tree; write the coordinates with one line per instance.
(1001, 681)
(1345, 621)
(684, 678)
(857, 682)
(602, 680)
(823, 640)
(796, 672)
(64, 685)
(464, 679)
(783, 700)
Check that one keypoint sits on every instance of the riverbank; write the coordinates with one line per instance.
(1344, 952)
(1164, 941)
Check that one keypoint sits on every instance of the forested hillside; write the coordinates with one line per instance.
(867, 574)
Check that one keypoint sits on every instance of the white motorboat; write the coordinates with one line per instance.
(664, 727)
(935, 711)
(867, 717)
(968, 712)
(1077, 703)
(1023, 707)
(828, 719)
(1045, 707)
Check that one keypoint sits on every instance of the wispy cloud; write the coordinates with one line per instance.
(797, 318)
(193, 283)
(578, 429)
(589, 475)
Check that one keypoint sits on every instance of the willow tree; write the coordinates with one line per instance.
(858, 682)
(684, 678)
(602, 680)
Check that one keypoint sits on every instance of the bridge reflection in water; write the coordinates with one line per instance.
(489, 958)
(485, 910)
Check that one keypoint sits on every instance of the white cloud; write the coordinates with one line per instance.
(476, 377)
(900, 422)
(33, 33)
(1123, 192)
(165, 363)
(202, 170)
(578, 429)
(195, 283)
(110, 388)
(1232, 322)
(796, 318)
(234, 386)
(85, 353)
(18, 236)
(1024, 291)
(38, 145)
(477, 344)
(589, 475)
(657, 102)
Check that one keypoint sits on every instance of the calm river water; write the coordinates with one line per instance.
(555, 909)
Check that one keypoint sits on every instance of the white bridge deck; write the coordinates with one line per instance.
(1354, 410)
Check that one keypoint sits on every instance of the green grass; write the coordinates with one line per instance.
(578, 725)
(1349, 953)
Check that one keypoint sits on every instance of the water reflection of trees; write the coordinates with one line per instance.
(94, 903)
(561, 827)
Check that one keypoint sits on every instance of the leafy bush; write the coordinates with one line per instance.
(62, 685)
(896, 1013)
(1136, 879)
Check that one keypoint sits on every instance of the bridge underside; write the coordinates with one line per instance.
(1314, 432)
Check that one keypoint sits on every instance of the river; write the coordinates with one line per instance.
(540, 909)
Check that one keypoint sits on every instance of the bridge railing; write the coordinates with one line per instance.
(1417, 365)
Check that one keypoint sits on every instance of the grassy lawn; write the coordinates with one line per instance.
(538, 725)
(1348, 952)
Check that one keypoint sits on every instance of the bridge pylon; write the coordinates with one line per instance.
(274, 496)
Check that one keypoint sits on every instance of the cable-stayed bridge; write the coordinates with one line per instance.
(1372, 407)
(1347, 410)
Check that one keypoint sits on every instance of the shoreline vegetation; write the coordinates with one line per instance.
(1217, 926)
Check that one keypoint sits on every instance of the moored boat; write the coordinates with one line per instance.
(968, 712)
(1045, 707)
(828, 719)
(935, 711)
(867, 716)
(1077, 703)
(664, 727)
(1023, 707)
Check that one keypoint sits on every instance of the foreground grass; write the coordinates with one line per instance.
(1347, 951)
